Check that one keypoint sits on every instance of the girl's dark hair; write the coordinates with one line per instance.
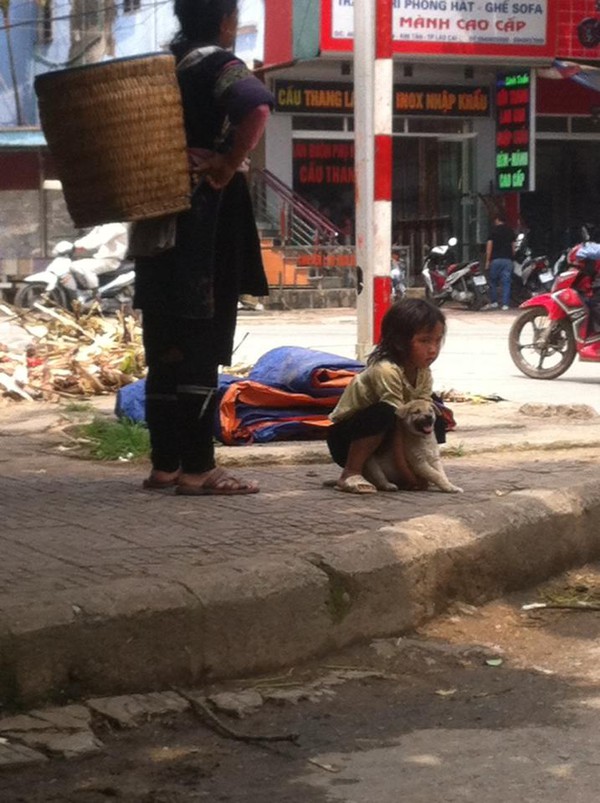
(199, 22)
(400, 324)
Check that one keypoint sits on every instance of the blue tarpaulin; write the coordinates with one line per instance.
(288, 395)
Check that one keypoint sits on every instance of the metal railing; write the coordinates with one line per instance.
(283, 210)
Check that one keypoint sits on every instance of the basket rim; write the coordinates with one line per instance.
(99, 64)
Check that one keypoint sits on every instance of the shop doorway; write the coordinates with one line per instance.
(432, 197)
(432, 194)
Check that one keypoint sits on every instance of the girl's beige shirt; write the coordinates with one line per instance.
(384, 381)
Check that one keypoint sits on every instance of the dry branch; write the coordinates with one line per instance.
(69, 356)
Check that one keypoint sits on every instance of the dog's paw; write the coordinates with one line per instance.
(386, 486)
(454, 489)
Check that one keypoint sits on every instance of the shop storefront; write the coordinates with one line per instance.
(434, 137)
(451, 164)
(443, 136)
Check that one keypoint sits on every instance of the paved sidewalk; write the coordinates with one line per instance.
(86, 554)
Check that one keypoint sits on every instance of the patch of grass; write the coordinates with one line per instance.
(103, 439)
(456, 450)
(571, 595)
(77, 407)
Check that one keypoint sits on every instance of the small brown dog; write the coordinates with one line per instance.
(422, 452)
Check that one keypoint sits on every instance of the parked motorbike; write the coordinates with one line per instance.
(76, 280)
(453, 281)
(531, 275)
(555, 327)
(561, 262)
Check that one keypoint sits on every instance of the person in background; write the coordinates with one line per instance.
(347, 228)
(398, 371)
(188, 290)
(589, 253)
(99, 251)
(499, 255)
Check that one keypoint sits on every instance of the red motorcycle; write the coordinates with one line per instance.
(555, 327)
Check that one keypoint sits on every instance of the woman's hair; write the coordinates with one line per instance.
(199, 22)
(400, 324)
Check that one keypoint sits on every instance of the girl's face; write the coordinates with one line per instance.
(425, 346)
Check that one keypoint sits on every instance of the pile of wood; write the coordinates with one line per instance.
(68, 356)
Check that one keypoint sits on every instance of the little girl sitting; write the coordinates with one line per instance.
(412, 332)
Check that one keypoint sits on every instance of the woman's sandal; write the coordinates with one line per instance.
(217, 483)
(151, 483)
(355, 484)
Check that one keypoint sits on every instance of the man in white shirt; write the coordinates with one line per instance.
(99, 251)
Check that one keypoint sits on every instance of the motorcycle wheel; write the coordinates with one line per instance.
(539, 347)
(520, 293)
(125, 296)
(437, 300)
(479, 298)
(28, 294)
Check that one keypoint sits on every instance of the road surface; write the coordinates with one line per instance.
(474, 359)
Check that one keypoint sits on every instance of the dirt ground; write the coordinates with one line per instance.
(474, 674)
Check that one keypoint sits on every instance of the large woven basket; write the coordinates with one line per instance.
(115, 132)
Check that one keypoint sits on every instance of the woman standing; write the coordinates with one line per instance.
(188, 292)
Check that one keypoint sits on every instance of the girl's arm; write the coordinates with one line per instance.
(396, 390)
(413, 482)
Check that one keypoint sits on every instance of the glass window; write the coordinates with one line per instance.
(551, 123)
(585, 125)
(313, 122)
(432, 125)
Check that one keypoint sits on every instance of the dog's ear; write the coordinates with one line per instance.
(402, 410)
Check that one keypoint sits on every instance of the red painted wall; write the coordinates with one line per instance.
(578, 29)
(19, 170)
(279, 29)
(563, 96)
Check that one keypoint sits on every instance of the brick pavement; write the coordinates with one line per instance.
(68, 523)
(105, 587)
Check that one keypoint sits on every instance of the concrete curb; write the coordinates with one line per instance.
(186, 626)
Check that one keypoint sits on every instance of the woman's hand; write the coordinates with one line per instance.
(218, 171)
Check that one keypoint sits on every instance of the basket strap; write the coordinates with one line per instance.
(197, 55)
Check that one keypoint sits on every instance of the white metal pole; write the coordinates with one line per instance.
(373, 86)
(364, 156)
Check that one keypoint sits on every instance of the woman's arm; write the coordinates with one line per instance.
(222, 166)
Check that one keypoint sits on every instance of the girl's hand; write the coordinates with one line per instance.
(412, 482)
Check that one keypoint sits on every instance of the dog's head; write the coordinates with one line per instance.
(418, 416)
